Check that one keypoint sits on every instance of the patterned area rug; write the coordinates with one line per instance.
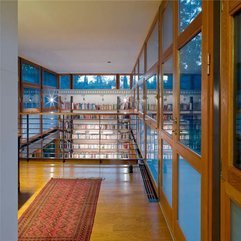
(63, 211)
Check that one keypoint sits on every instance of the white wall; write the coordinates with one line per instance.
(8, 120)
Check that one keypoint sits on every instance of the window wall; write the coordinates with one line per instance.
(177, 43)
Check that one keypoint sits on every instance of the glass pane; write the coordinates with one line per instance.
(167, 27)
(237, 64)
(167, 171)
(152, 48)
(235, 222)
(152, 152)
(190, 99)
(141, 95)
(124, 81)
(30, 74)
(31, 98)
(50, 79)
(167, 84)
(141, 66)
(94, 81)
(64, 82)
(189, 201)
(151, 102)
(188, 11)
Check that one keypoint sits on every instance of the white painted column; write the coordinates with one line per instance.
(8, 119)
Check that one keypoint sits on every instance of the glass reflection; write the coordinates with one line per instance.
(235, 222)
(152, 152)
(167, 171)
(167, 84)
(237, 76)
(190, 94)
(152, 48)
(188, 11)
(151, 101)
(141, 96)
(167, 27)
(189, 200)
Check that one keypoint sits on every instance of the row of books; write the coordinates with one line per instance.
(102, 147)
(101, 156)
(93, 106)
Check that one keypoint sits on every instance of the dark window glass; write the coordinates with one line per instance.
(94, 81)
(64, 82)
(31, 98)
(188, 11)
(50, 79)
(190, 90)
(167, 80)
(124, 81)
(30, 74)
(237, 76)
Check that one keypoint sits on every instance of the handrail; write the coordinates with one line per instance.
(100, 136)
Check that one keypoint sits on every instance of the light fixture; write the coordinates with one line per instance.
(109, 62)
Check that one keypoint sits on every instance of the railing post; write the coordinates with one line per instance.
(27, 137)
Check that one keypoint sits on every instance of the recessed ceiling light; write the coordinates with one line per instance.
(108, 62)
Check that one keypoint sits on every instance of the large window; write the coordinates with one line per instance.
(30, 74)
(188, 11)
(189, 201)
(94, 81)
(237, 76)
(190, 88)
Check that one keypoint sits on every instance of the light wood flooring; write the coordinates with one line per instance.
(123, 211)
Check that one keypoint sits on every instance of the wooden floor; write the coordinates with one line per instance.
(123, 211)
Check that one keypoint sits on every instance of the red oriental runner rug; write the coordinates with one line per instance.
(63, 211)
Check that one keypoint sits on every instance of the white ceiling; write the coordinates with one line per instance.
(81, 36)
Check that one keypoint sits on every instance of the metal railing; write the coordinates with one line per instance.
(78, 136)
